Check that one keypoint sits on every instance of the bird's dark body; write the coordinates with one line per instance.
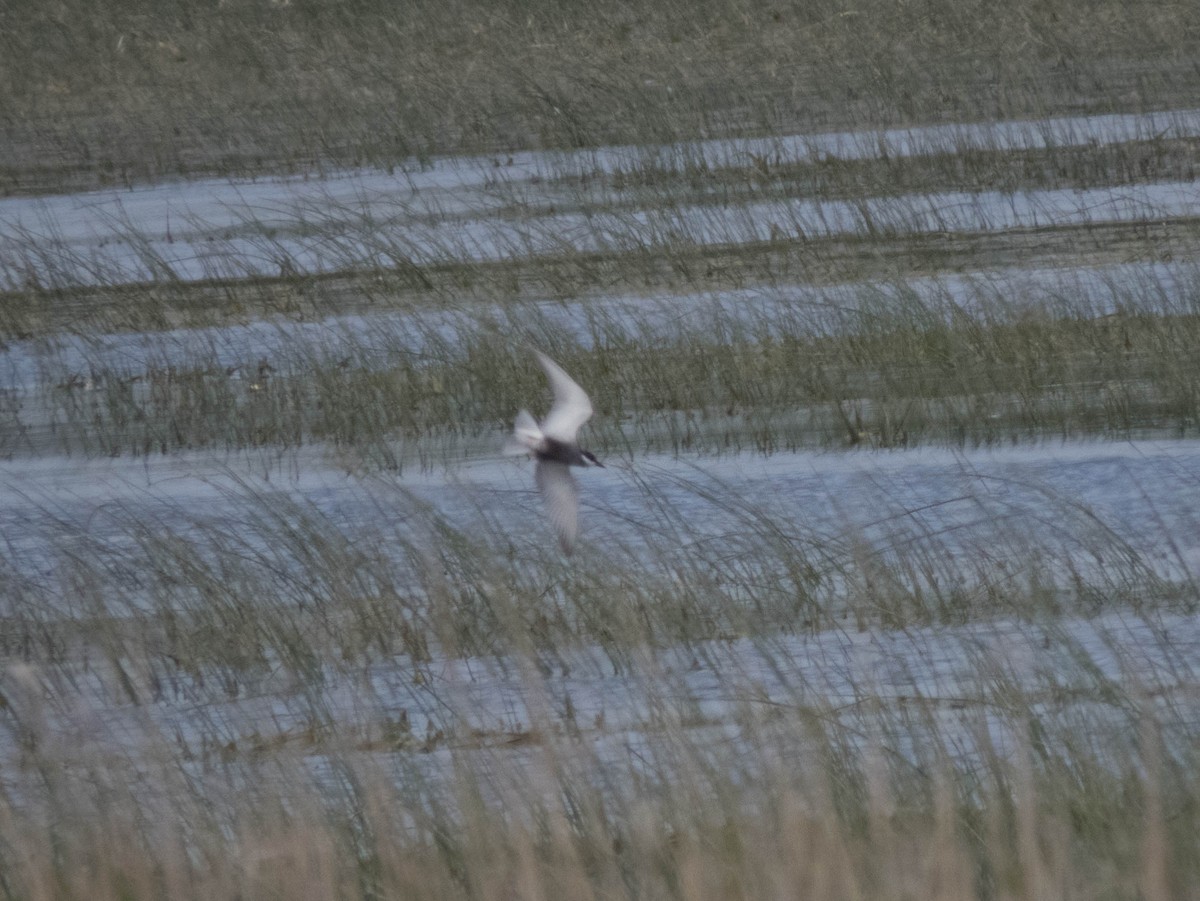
(551, 450)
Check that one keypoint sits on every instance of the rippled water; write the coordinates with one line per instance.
(217, 229)
(1084, 512)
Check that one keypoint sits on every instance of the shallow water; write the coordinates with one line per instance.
(740, 706)
(1117, 516)
(218, 229)
(285, 240)
(645, 715)
(1091, 505)
(380, 339)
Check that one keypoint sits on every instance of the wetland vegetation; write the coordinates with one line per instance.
(889, 314)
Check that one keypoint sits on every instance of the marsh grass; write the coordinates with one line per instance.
(350, 237)
(252, 686)
(256, 580)
(43, 307)
(271, 700)
(965, 842)
(250, 88)
(895, 370)
(1002, 169)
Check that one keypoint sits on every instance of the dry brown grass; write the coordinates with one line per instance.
(996, 846)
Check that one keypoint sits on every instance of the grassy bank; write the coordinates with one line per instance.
(128, 91)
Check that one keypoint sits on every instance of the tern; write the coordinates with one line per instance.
(554, 445)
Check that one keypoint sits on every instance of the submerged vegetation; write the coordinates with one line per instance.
(903, 374)
(273, 623)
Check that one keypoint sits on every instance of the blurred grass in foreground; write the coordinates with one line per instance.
(272, 704)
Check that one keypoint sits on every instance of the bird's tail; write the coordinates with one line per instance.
(526, 435)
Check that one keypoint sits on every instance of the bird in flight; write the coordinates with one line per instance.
(554, 445)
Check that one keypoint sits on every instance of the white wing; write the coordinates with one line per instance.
(561, 496)
(526, 435)
(571, 408)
